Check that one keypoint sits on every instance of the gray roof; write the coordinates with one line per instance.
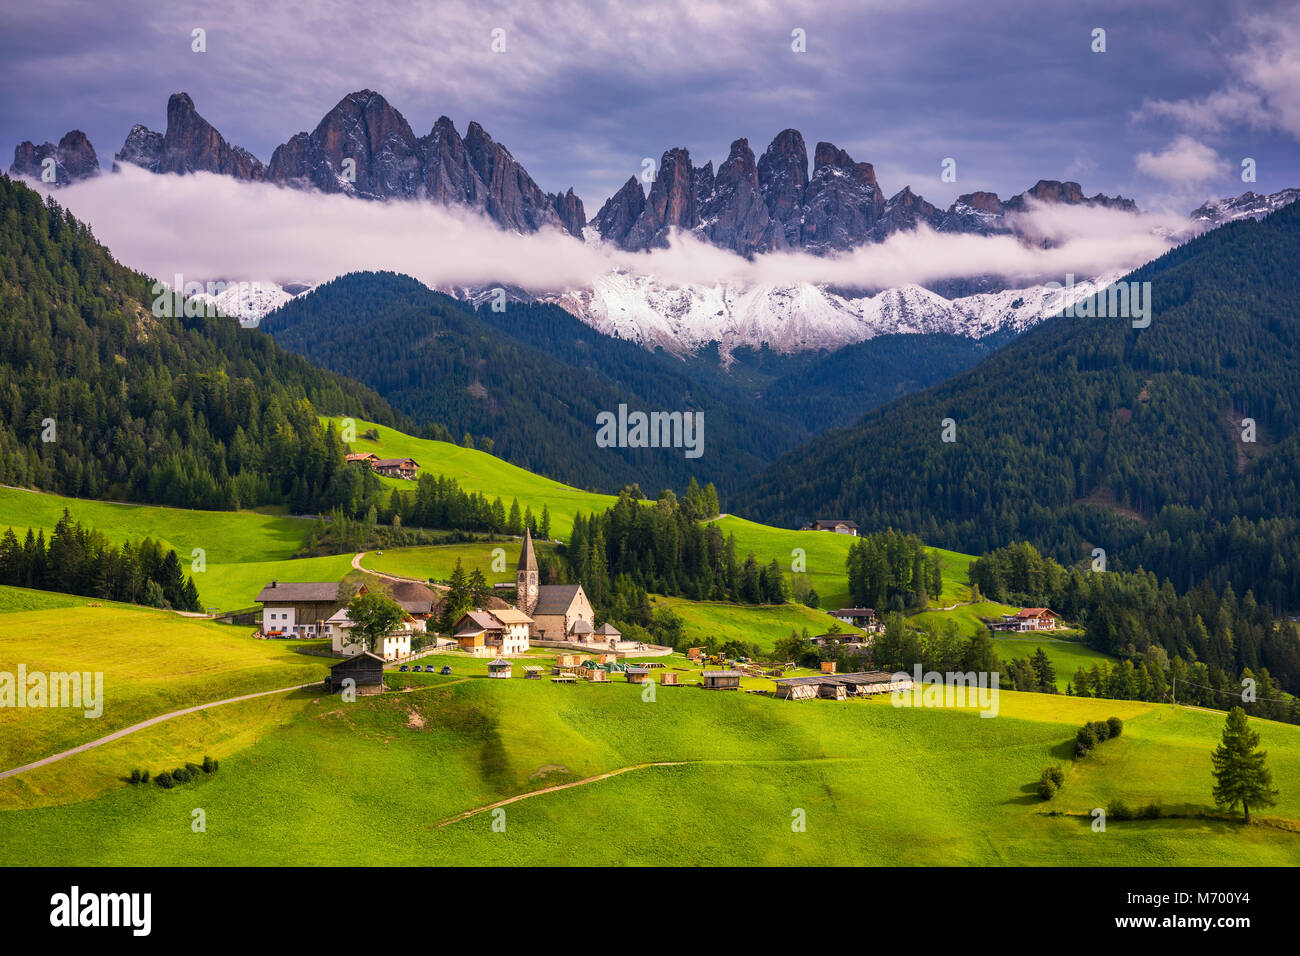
(857, 678)
(280, 591)
(555, 598)
(720, 674)
(413, 596)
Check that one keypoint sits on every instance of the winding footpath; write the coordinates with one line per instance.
(144, 724)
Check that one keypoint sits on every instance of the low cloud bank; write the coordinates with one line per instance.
(206, 226)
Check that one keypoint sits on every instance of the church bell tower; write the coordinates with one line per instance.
(526, 576)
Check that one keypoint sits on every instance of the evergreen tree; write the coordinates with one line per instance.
(1241, 777)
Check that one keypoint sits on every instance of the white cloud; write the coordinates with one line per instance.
(209, 227)
(1261, 90)
(1185, 161)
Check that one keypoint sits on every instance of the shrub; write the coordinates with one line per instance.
(1116, 726)
(1085, 740)
(1101, 729)
(193, 770)
(1152, 811)
(181, 775)
(135, 776)
(1118, 810)
(1055, 774)
(165, 780)
(144, 777)
(208, 765)
(1046, 788)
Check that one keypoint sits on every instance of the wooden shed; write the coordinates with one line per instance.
(828, 667)
(720, 680)
(694, 653)
(499, 668)
(669, 679)
(365, 671)
(832, 690)
(637, 675)
(796, 691)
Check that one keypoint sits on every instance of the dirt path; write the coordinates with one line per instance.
(559, 786)
(134, 728)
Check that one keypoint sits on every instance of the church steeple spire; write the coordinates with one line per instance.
(526, 575)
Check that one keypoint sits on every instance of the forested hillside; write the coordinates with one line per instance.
(527, 383)
(1088, 433)
(99, 398)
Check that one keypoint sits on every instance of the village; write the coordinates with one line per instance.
(549, 632)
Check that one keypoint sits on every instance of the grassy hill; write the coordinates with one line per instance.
(878, 784)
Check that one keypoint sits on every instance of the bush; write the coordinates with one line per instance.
(1152, 811)
(1118, 810)
(1101, 729)
(208, 765)
(193, 770)
(1085, 740)
(135, 776)
(1055, 774)
(1116, 726)
(181, 775)
(1046, 788)
(164, 780)
(144, 777)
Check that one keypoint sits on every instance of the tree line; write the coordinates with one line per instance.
(80, 560)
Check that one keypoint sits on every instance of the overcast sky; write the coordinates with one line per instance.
(1013, 92)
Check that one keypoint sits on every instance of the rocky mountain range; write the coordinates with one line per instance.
(362, 147)
(752, 206)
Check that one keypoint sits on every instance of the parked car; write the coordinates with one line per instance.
(416, 667)
(403, 668)
(445, 670)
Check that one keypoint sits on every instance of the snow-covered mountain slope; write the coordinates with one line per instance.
(249, 302)
(793, 318)
(1248, 205)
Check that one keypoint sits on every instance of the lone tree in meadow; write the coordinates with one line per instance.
(1239, 771)
(373, 615)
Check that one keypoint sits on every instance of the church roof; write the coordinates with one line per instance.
(555, 598)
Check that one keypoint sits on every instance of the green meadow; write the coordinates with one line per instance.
(438, 561)
(762, 625)
(478, 471)
(872, 783)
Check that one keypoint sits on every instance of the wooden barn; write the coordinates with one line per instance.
(720, 680)
(637, 675)
(365, 671)
(796, 691)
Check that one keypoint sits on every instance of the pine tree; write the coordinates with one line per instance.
(1239, 771)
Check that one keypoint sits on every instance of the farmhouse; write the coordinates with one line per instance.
(365, 671)
(1026, 619)
(863, 617)
(838, 526)
(299, 609)
(501, 631)
(720, 680)
(555, 609)
(396, 467)
(393, 646)
(367, 458)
